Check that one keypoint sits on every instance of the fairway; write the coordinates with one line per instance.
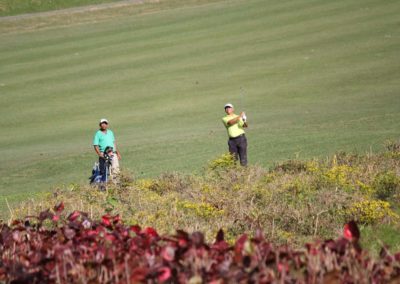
(314, 77)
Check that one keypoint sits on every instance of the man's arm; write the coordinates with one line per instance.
(235, 120)
(117, 151)
(98, 152)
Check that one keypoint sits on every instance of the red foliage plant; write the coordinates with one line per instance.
(55, 249)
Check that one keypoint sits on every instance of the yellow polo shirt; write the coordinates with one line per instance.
(236, 129)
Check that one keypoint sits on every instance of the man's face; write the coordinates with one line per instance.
(229, 110)
(103, 126)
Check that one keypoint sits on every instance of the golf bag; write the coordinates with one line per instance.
(101, 169)
(96, 176)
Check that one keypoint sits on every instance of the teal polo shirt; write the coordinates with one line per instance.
(104, 140)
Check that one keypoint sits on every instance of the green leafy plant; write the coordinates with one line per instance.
(387, 186)
(223, 162)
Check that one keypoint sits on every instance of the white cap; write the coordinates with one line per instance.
(228, 105)
(103, 120)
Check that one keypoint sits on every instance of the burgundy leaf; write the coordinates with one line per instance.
(136, 229)
(116, 219)
(150, 232)
(106, 220)
(91, 233)
(239, 245)
(16, 223)
(45, 215)
(59, 208)
(220, 236)
(282, 267)
(138, 275)
(110, 237)
(164, 274)
(73, 216)
(351, 231)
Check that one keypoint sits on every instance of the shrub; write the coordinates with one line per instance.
(202, 209)
(225, 161)
(392, 146)
(371, 211)
(302, 202)
(387, 186)
(339, 175)
(291, 166)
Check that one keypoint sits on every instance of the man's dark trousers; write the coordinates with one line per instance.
(238, 147)
(103, 169)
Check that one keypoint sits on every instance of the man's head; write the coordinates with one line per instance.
(103, 124)
(229, 108)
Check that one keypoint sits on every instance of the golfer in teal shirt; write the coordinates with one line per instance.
(104, 138)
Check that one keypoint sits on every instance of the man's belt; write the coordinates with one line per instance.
(232, 138)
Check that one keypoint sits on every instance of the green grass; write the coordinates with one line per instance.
(319, 76)
(374, 237)
(15, 7)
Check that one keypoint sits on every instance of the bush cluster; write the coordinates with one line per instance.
(294, 201)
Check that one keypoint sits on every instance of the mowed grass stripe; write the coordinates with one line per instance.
(92, 55)
(176, 59)
(121, 58)
(124, 35)
(108, 34)
(358, 68)
(327, 79)
(360, 54)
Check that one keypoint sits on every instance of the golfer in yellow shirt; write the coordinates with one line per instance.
(235, 125)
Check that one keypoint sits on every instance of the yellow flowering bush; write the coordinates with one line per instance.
(284, 235)
(202, 209)
(145, 183)
(206, 189)
(339, 175)
(312, 167)
(299, 188)
(365, 189)
(224, 161)
(371, 211)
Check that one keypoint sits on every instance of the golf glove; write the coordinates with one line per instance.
(244, 117)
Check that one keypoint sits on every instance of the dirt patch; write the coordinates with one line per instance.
(91, 14)
(83, 9)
